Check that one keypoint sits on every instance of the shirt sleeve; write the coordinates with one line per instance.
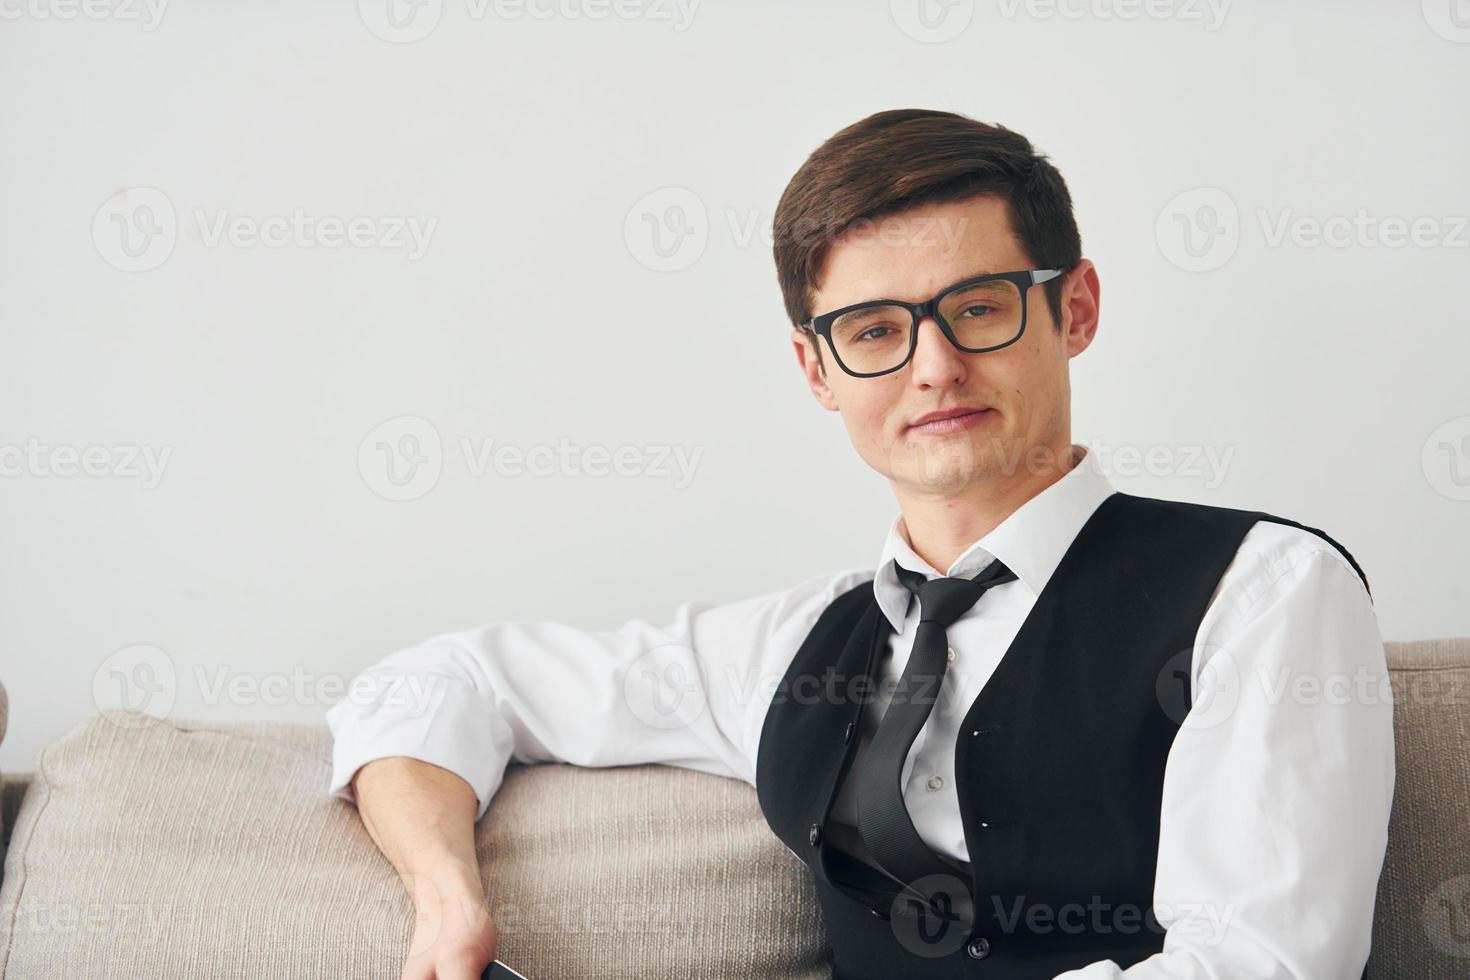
(1277, 789)
(690, 692)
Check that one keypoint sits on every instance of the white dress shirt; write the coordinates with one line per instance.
(1277, 788)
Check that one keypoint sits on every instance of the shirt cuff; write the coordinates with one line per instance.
(430, 717)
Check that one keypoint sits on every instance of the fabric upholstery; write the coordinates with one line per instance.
(144, 848)
(1421, 925)
(4, 717)
(180, 849)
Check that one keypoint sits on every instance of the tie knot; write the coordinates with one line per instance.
(944, 600)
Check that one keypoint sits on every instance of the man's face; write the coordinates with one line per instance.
(912, 256)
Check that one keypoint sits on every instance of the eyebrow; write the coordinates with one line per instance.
(985, 272)
(878, 299)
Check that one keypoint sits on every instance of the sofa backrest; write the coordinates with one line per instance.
(4, 717)
(1421, 926)
(1422, 916)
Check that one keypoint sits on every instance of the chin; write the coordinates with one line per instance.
(949, 473)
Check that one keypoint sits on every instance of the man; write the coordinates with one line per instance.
(1080, 750)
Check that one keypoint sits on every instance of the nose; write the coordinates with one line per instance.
(936, 362)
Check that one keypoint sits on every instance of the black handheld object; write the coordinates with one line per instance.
(499, 971)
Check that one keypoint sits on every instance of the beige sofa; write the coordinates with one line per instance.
(146, 848)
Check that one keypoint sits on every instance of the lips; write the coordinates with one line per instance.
(948, 413)
(951, 421)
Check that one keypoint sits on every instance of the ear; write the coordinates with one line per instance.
(809, 357)
(1080, 302)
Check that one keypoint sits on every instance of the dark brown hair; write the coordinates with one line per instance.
(903, 158)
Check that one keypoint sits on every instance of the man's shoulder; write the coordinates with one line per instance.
(1268, 541)
(1274, 557)
(791, 609)
(828, 598)
(1272, 548)
(844, 586)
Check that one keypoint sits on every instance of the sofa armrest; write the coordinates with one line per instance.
(4, 822)
(12, 791)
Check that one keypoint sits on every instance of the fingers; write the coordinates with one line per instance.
(418, 968)
(463, 966)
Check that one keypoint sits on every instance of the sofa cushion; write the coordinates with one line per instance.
(4, 717)
(183, 849)
(11, 794)
(219, 844)
(1421, 922)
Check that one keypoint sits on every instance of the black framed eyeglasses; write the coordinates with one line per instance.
(978, 315)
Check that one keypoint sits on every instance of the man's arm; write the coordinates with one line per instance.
(689, 693)
(1277, 791)
(473, 701)
(421, 817)
(422, 739)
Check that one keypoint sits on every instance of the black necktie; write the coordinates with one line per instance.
(883, 820)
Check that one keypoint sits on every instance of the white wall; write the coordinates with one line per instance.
(1333, 375)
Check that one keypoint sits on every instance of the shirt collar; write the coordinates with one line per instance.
(1031, 541)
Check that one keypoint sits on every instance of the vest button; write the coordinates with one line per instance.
(978, 948)
(879, 913)
(813, 835)
(847, 735)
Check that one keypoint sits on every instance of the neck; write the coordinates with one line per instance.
(942, 526)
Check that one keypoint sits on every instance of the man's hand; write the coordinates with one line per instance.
(422, 817)
(454, 933)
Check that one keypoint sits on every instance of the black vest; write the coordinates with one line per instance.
(1059, 766)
